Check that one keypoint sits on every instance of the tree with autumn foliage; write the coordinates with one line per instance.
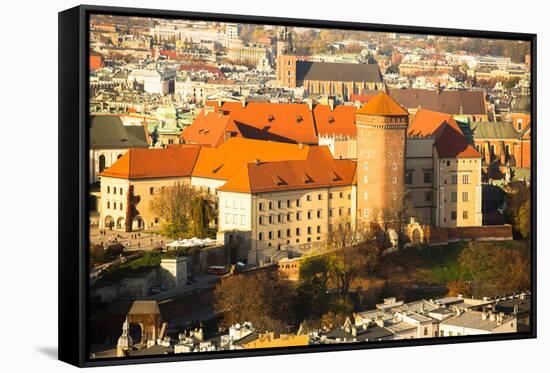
(262, 298)
(495, 270)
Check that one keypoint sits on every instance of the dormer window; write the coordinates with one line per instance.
(270, 118)
(331, 119)
(299, 118)
(520, 124)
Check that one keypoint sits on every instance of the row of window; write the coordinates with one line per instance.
(465, 197)
(464, 215)
(114, 190)
(234, 219)
(115, 205)
(262, 206)
(393, 166)
(427, 177)
(454, 179)
(298, 231)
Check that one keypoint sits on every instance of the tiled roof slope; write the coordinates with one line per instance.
(382, 104)
(450, 102)
(209, 129)
(175, 161)
(340, 121)
(108, 132)
(224, 161)
(426, 123)
(340, 72)
(318, 170)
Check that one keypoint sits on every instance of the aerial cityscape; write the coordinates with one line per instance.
(258, 186)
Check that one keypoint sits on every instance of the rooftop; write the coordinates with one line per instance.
(383, 104)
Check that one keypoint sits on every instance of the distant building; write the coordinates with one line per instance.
(328, 78)
(470, 104)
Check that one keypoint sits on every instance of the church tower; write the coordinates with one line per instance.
(381, 136)
(125, 342)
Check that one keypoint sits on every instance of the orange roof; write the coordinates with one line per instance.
(174, 161)
(426, 123)
(210, 129)
(382, 104)
(224, 161)
(318, 170)
(281, 122)
(340, 121)
(452, 144)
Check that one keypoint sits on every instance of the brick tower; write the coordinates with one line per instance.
(381, 135)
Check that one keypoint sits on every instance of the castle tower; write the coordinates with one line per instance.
(381, 135)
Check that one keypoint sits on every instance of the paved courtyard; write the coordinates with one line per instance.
(132, 241)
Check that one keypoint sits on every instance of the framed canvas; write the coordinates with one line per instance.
(234, 186)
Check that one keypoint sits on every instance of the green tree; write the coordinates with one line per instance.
(201, 213)
(495, 270)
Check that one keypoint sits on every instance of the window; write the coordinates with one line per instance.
(120, 191)
(330, 212)
(270, 235)
(288, 232)
(366, 165)
(308, 230)
(279, 233)
(270, 219)
(288, 216)
(288, 204)
(260, 220)
(309, 215)
(298, 204)
(465, 179)
(340, 211)
(279, 218)
(427, 177)
(394, 166)
(108, 189)
(260, 206)
(408, 177)
(425, 331)
(442, 333)
(298, 215)
(453, 215)
(108, 204)
(151, 190)
(308, 198)
(101, 163)
(261, 236)
(320, 197)
(454, 179)
(520, 124)
(341, 195)
(366, 213)
(297, 231)
(464, 196)
(270, 205)
(318, 214)
(428, 196)
(365, 179)
(235, 202)
(394, 180)
(465, 215)
(120, 206)
(318, 229)
(453, 196)
(114, 205)
(366, 196)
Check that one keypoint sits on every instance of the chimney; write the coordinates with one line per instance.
(331, 103)
(257, 162)
(243, 104)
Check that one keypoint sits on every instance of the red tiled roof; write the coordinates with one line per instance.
(210, 129)
(199, 67)
(273, 121)
(340, 121)
(362, 98)
(174, 161)
(224, 161)
(426, 123)
(452, 144)
(382, 104)
(318, 170)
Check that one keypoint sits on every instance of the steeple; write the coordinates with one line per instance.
(125, 342)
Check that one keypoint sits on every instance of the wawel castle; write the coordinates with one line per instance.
(287, 174)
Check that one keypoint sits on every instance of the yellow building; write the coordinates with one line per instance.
(268, 340)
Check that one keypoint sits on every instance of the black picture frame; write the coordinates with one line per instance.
(73, 186)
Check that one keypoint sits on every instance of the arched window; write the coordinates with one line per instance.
(101, 163)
